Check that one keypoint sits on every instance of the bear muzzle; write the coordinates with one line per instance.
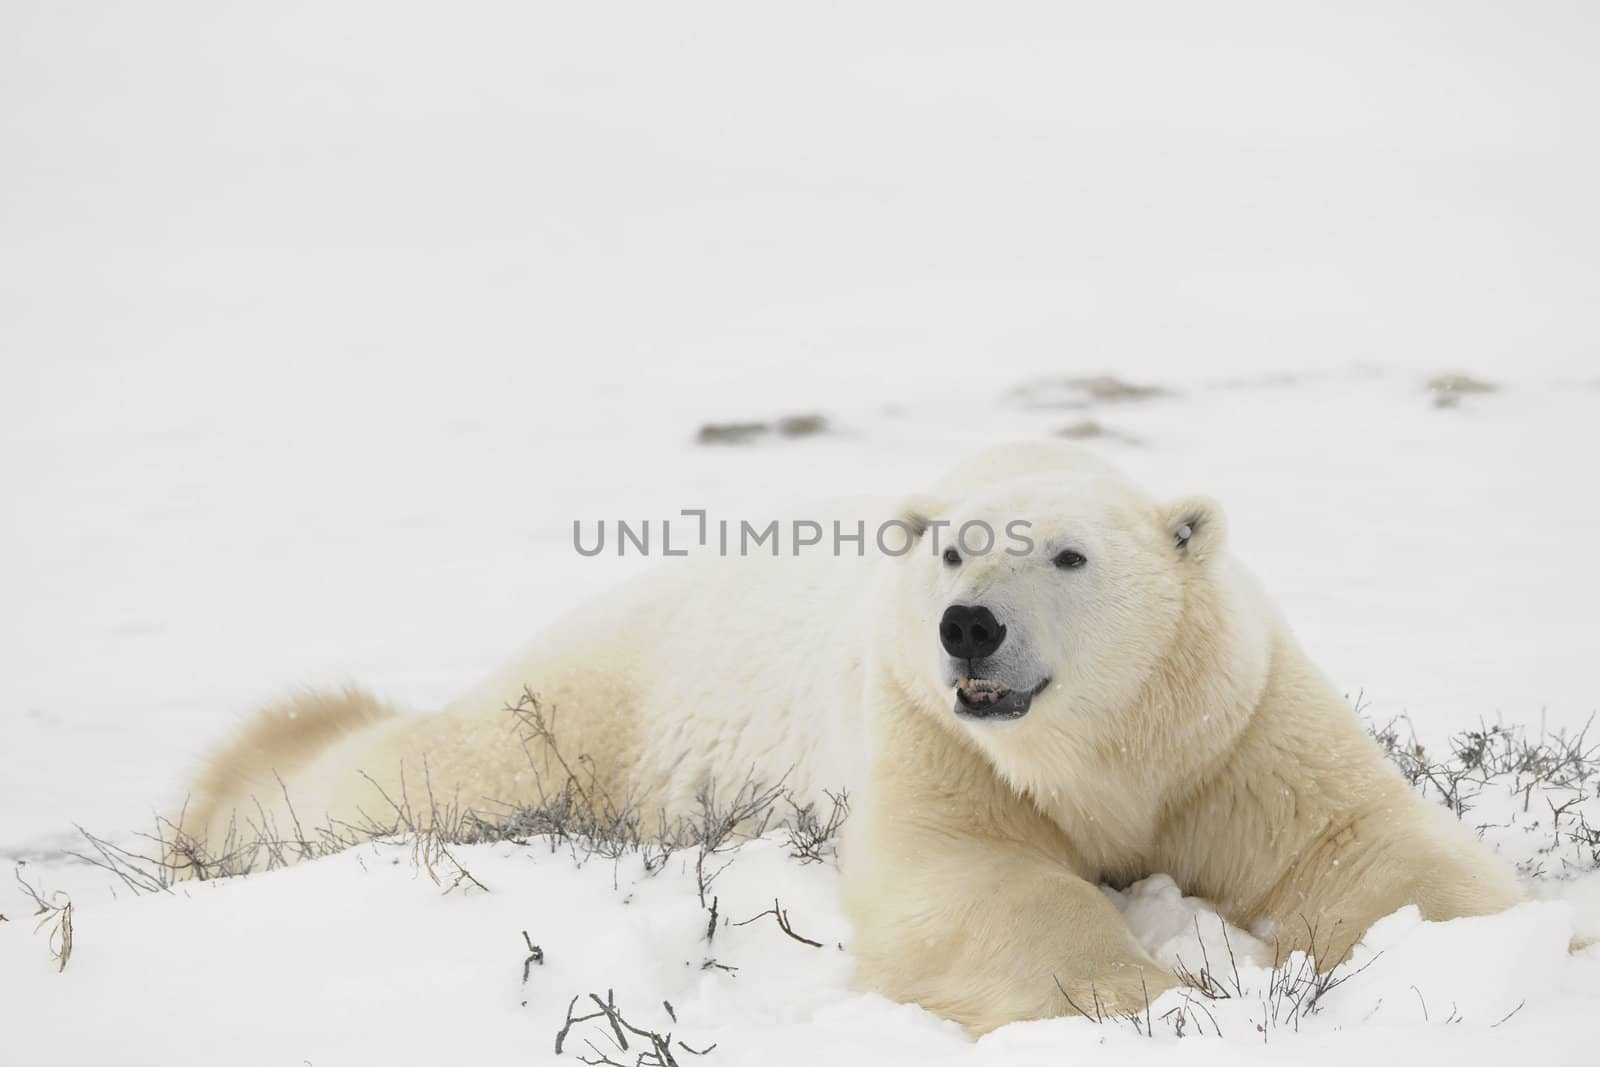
(987, 699)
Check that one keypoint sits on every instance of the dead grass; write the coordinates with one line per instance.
(1294, 991)
(1076, 393)
(573, 810)
(53, 911)
(1090, 429)
(1106, 387)
(1448, 389)
(744, 433)
(731, 433)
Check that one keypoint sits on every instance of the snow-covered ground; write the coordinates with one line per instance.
(362, 959)
(320, 324)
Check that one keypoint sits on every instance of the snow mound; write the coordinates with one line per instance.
(362, 957)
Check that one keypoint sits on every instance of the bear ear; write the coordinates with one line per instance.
(916, 514)
(1196, 526)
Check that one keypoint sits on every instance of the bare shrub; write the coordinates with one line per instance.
(779, 913)
(812, 838)
(573, 809)
(657, 1046)
(1495, 754)
(1558, 767)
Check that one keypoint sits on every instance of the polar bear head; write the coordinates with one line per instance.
(1046, 601)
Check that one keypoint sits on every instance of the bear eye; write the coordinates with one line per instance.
(1069, 560)
(952, 557)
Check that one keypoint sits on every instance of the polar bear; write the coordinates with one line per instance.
(1097, 694)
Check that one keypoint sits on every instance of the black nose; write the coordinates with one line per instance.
(970, 632)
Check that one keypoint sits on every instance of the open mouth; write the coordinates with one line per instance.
(985, 698)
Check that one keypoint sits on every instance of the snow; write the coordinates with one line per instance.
(320, 325)
(362, 958)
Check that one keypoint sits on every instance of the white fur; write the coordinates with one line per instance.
(1182, 731)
